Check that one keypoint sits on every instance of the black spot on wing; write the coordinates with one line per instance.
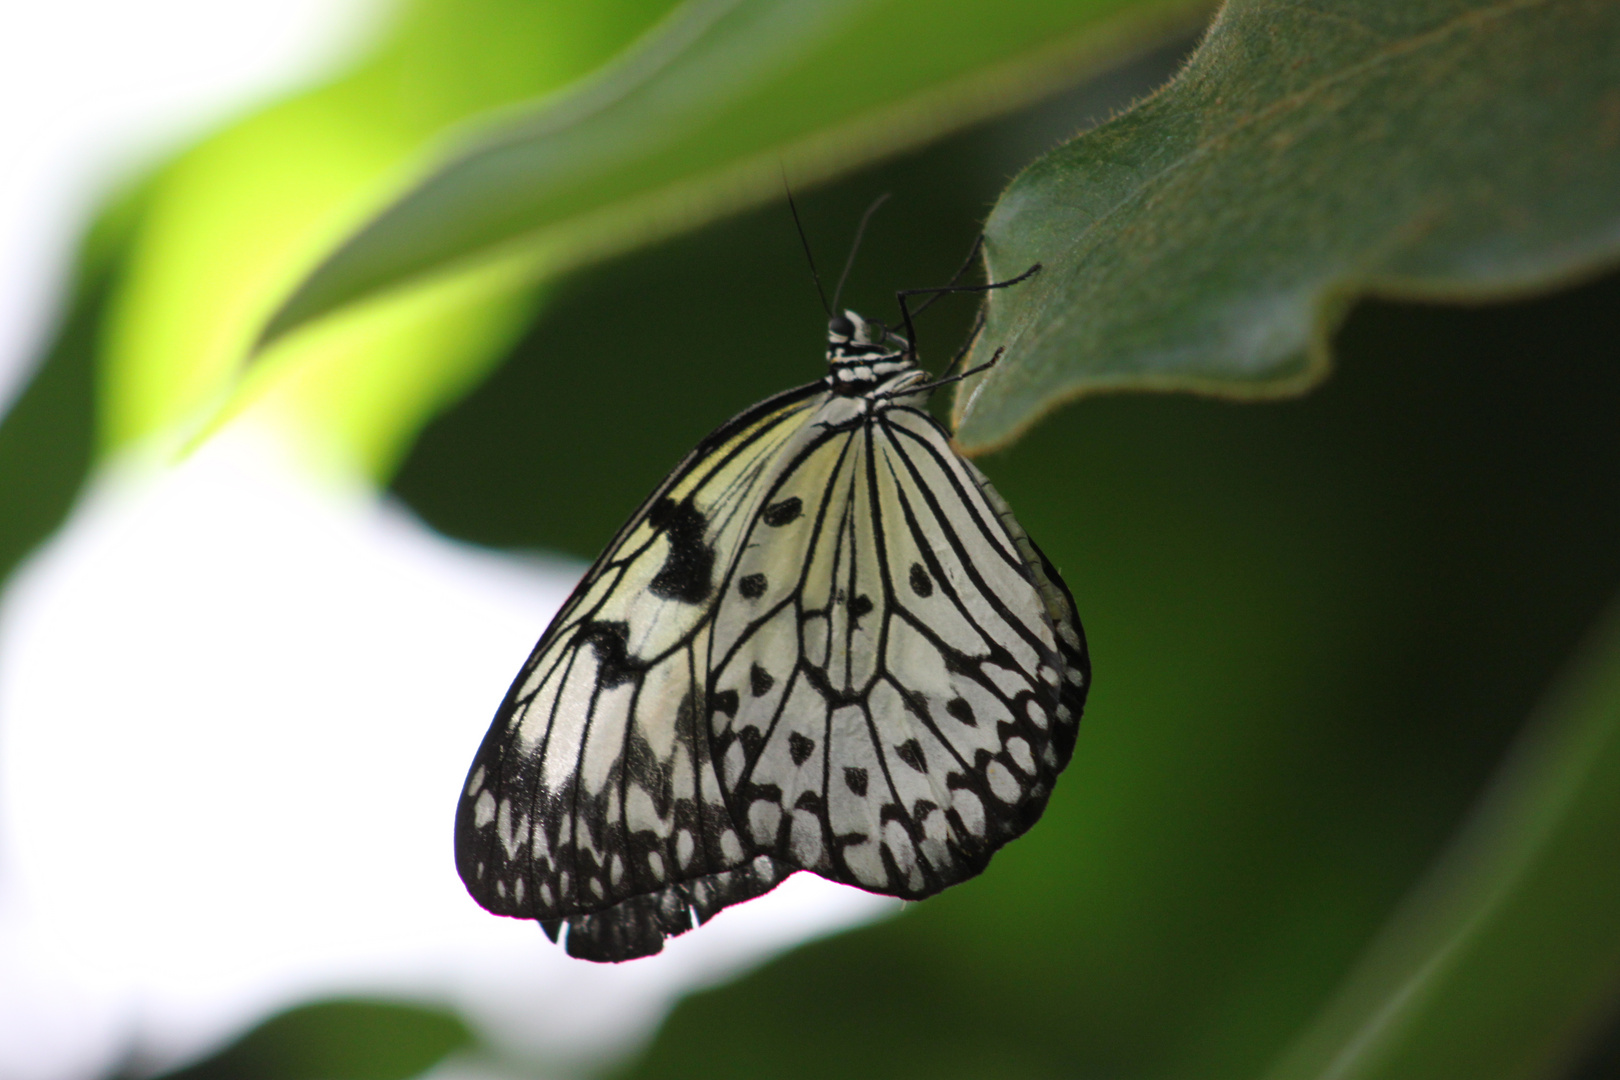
(855, 780)
(778, 514)
(726, 702)
(760, 681)
(608, 641)
(862, 605)
(688, 570)
(959, 708)
(800, 747)
(921, 584)
(752, 586)
(911, 753)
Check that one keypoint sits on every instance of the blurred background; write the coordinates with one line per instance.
(1317, 627)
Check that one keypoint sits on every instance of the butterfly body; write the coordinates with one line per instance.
(823, 643)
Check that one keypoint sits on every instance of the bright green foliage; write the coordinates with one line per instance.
(1211, 238)
(697, 119)
(707, 114)
(228, 227)
(337, 1040)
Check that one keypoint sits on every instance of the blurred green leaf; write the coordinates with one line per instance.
(705, 115)
(1507, 957)
(47, 436)
(232, 224)
(337, 1040)
(1211, 238)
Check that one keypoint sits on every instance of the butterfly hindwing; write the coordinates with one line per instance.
(1019, 591)
(593, 798)
(898, 699)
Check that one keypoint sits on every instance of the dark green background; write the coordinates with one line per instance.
(1315, 624)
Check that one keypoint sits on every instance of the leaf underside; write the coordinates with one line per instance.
(1210, 238)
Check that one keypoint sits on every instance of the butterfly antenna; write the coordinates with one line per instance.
(805, 240)
(860, 232)
(978, 246)
(940, 290)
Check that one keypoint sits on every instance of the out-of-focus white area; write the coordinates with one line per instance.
(93, 90)
(236, 709)
(237, 704)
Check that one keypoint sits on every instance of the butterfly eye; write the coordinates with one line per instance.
(840, 326)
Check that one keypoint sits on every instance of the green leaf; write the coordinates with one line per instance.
(707, 114)
(231, 225)
(1211, 238)
(47, 436)
(329, 1040)
(1509, 954)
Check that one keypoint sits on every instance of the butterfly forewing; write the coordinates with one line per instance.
(594, 788)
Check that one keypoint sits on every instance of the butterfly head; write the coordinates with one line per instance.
(863, 356)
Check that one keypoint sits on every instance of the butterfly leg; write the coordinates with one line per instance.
(927, 387)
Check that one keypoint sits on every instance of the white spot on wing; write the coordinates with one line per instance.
(865, 863)
(662, 691)
(641, 813)
(763, 818)
(573, 705)
(970, 809)
(1036, 714)
(605, 744)
(1007, 681)
(898, 843)
(511, 828)
(484, 809)
(1019, 751)
(535, 718)
(805, 839)
(1002, 784)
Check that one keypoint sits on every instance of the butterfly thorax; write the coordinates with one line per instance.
(866, 358)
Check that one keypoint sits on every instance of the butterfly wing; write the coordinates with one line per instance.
(593, 799)
(897, 671)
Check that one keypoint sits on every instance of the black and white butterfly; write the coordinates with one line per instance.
(823, 643)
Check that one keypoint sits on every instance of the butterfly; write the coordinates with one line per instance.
(823, 643)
